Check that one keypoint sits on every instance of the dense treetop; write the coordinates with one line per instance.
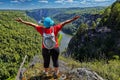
(16, 41)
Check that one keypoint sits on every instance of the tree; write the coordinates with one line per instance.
(94, 25)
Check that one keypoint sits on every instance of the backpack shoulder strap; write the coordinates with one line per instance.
(52, 29)
(43, 32)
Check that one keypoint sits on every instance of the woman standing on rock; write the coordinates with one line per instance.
(50, 47)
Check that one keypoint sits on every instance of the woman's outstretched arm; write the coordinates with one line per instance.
(70, 20)
(25, 22)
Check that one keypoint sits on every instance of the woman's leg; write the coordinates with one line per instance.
(46, 58)
(55, 55)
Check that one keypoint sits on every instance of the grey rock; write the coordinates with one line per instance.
(35, 60)
(85, 74)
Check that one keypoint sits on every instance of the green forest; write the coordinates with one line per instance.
(16, 41)
(95, 46)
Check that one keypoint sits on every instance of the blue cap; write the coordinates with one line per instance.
(48, 22)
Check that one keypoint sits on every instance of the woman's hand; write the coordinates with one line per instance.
(70, 20)
(76, 17)
(19, 20)
(26, 22)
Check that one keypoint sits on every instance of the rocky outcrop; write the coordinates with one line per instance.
(66, 73)
(84, 74)
(99, 43)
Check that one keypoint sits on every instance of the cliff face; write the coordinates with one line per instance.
(99, 43)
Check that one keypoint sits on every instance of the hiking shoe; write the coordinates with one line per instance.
(63, 77)
(44, 74)
(55, 76)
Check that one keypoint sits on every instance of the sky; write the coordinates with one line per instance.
(36, 4)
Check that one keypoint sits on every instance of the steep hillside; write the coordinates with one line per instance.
(16, 41)
(102, 42)
(111, 17)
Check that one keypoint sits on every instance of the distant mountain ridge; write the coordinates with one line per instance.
(38, 14)
(61, 14)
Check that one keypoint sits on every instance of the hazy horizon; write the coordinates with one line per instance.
(38, 4)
